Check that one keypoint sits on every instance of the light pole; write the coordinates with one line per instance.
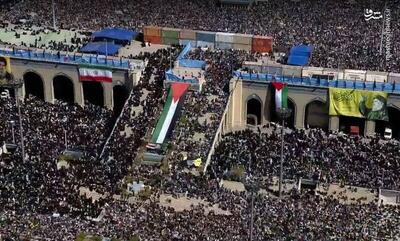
(65, 139)
(12, 130)
(54, 14)
(251, 186)
(283, 114)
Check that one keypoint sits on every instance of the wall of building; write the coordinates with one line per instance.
(242, 91)
(48, 71)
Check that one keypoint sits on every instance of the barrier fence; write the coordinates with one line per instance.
(65, 57)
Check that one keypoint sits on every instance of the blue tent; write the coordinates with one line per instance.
(300, 55)
(101, 48)
(118, 34)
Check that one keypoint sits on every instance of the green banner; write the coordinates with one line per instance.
(371, 105)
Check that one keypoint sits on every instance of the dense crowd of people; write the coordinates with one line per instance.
(338, 30)
(40, 198)
(312, 154)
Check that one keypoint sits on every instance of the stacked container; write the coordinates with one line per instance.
(152, 34)
(205, 39)
(262, 44)
(170, 36)
(224, 40)
(242, 42)
(186, 36)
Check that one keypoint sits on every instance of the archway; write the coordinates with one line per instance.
(346, 123)
(93, 92)
(120, 94)
(63, 88)
(317, 115)
(33, 85)
(394, 120)
(253, 115)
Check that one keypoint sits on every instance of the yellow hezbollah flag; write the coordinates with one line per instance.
(371, 105)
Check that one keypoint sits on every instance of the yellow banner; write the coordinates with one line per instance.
(5, 70)
(371, 105)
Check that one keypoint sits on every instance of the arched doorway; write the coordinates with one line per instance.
(33, 85)
(349, 124)
(253, 115)
(120, 94)
(317, 115)
(394, 123)
(63, 88)
(93, 92)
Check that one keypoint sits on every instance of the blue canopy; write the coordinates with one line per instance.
(100, 48)
(116, 34)
(300, 55)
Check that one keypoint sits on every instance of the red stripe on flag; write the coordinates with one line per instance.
(95, 78)
(278, 85)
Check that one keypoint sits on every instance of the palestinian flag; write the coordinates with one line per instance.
(170, 112)
(281, 95)
(98, 74)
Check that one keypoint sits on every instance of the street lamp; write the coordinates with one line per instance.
(251, 186)
(12, 130)
(283, 114)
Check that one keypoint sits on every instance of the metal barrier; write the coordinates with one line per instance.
(65, 57)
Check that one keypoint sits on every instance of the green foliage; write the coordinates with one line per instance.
(145, 193)
(135, 238)
(81, 237)
(237, 172)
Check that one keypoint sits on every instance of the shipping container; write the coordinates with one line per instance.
(223, 45)
(204, 44)
(170, 41)
(172, 33)
(184, 42)
(245, 47)
(153, 39)
(242, 39)
(205, 36)
(187, 34)
(224, 37)
(152, 31)
(262, 44)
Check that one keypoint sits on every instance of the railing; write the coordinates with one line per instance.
(389, 87)
(66, 57)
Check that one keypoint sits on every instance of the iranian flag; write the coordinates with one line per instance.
(99, 74)
(170, 112)
(281, 94)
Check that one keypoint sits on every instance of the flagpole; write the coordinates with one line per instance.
(54, 14)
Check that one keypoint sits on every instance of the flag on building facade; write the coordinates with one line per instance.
(281, 95)
(98, 74)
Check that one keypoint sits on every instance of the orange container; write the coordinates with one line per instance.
(262, 44)
(153, 39)
(152, 31)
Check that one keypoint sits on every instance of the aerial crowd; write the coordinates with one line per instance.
(339, 31)
(47, 195)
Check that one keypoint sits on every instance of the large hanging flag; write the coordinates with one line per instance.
(98, 74)
(281, 94)
(169, 114)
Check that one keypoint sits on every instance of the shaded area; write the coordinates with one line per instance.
(394, 123)
(33, 85)
(63, 88)
(93, 93)
(253, 112)
(346, 122)
(317, 115)
(120, 94)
